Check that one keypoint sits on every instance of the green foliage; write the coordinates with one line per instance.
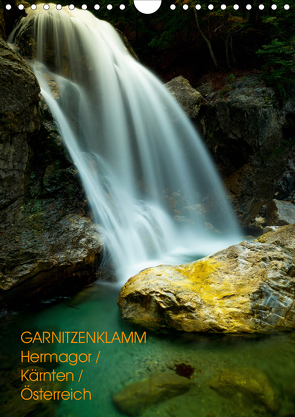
(232, 78)
(278, 66)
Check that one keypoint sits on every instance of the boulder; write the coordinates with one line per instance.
(47, 256)
(135, 398)
(280, 213)
(249, 287)
(251, 383)
(189, 99)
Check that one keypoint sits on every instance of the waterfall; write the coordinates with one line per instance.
(149, 179)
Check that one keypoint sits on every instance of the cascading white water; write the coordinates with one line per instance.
(151, 183)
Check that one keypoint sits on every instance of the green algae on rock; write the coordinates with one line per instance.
(248, 287)
(135, 398)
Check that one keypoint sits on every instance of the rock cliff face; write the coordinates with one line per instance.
(47, 245)
(249, 134)
(248, 287)
(20, 121)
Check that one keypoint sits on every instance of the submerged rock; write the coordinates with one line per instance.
(280, 213)
(250, 383)
(135, 398)
(248, 287)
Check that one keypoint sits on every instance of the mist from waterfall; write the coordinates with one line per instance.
(149, 179)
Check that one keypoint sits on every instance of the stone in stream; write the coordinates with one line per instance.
(249, 287)
(250, 384)
(280, 213)
(135, 398)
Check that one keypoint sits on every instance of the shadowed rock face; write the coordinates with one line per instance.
(47, 246)
(47, 256)
(248, 134)
(20, 121)
(248, 287)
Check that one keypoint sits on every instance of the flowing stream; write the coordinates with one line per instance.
(149, 179)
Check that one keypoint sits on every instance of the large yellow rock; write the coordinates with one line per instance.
(248, 287)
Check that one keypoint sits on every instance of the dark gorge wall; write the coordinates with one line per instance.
(250, 134)
(47, 245)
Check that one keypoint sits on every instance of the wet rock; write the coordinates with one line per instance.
(186, 95)
(245, 288)
(20, 121)
(247, 131)
(251, 383)
(135, 398)
(280, 213)
(47, 247)
(47, 255)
